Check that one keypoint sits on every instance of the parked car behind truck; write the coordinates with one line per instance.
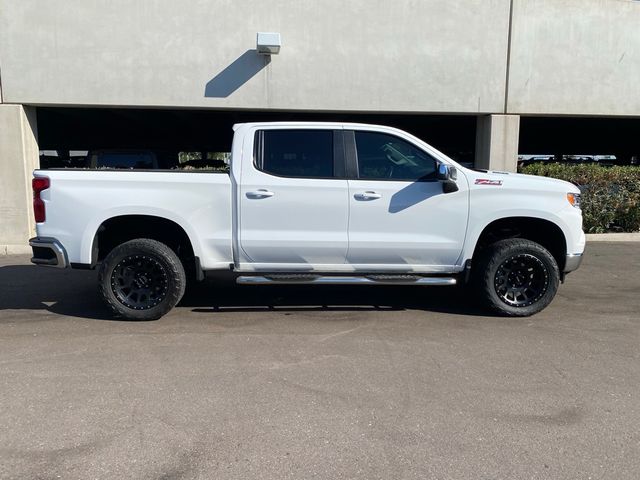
(312, 203)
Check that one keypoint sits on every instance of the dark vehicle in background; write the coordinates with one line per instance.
(133, 159)
(127, 159)
(602, 160)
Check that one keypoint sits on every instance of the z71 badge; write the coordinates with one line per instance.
(486, 181)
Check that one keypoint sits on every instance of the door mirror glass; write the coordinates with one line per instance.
(447, 172)
(448, 175)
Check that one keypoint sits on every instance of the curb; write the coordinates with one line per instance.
(613, 237)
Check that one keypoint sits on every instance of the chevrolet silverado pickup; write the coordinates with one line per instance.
(312, 203)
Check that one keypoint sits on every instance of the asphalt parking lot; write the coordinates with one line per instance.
(309, 382)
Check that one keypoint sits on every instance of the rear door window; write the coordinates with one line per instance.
(296, 153)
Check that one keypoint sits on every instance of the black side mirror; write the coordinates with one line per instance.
(448, 175)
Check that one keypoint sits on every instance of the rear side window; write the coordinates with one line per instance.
(296, 153)
(385, 157)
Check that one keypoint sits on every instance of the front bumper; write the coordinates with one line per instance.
(48, 251)
(572, 262)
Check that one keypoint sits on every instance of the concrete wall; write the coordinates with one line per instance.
(567, 56)
(360, 55)
(497, 142)
(18, 158)
(577, 57)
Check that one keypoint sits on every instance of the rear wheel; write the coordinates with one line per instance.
(141, 279)
(516, 277)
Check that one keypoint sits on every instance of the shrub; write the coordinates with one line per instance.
(610, 195)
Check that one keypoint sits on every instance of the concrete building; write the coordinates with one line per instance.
(487, 78)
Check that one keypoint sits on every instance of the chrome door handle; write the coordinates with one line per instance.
(260, 193)
(367, 196)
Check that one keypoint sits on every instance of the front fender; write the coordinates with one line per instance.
(568, 220)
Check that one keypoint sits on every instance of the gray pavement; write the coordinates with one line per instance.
(309, 382)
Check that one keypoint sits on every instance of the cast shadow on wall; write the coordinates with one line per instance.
(243, 69)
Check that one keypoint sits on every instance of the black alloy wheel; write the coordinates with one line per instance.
(139, 282)
(521, 280)
(141, 279)
(515, 277)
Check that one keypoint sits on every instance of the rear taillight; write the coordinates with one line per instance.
(39, 184)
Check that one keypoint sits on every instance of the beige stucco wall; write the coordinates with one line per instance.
(568, 57)
(18, 158)
(497, 142)
(360, 55)
(575, 57)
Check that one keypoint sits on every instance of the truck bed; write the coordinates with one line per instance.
(78, 201)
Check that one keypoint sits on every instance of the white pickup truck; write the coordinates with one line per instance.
(312, 203)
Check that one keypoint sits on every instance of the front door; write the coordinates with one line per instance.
(294, 201)
(400, 219)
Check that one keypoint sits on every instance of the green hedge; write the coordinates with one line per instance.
(610, 195)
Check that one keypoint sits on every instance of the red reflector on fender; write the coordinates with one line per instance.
(40, 183)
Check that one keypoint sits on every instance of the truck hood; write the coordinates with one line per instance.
(526, 181)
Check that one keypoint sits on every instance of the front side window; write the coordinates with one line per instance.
(386, 157)
(296, 153)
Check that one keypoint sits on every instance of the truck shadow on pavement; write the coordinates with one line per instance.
(74, 293)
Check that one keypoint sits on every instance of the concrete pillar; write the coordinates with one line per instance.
(497, 142)
(18, 158)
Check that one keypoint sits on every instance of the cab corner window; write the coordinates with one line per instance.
(296, 153)
(386, 157)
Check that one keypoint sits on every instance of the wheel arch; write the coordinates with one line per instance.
(118, 229)
(540, 230)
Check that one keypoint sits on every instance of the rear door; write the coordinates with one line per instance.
(294, 201)
(400, 218)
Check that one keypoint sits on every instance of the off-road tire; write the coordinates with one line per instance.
(166, 266)
(488, 282)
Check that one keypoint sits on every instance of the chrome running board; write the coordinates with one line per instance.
(307, 279)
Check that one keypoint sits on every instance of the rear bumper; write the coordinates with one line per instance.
(49, 252)
(572, 262)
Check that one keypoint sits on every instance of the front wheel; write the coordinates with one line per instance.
(516, 277)
(141, 279)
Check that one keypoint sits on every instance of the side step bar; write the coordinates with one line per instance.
(337, 280)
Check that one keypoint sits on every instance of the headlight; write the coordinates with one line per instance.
(574, 199)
